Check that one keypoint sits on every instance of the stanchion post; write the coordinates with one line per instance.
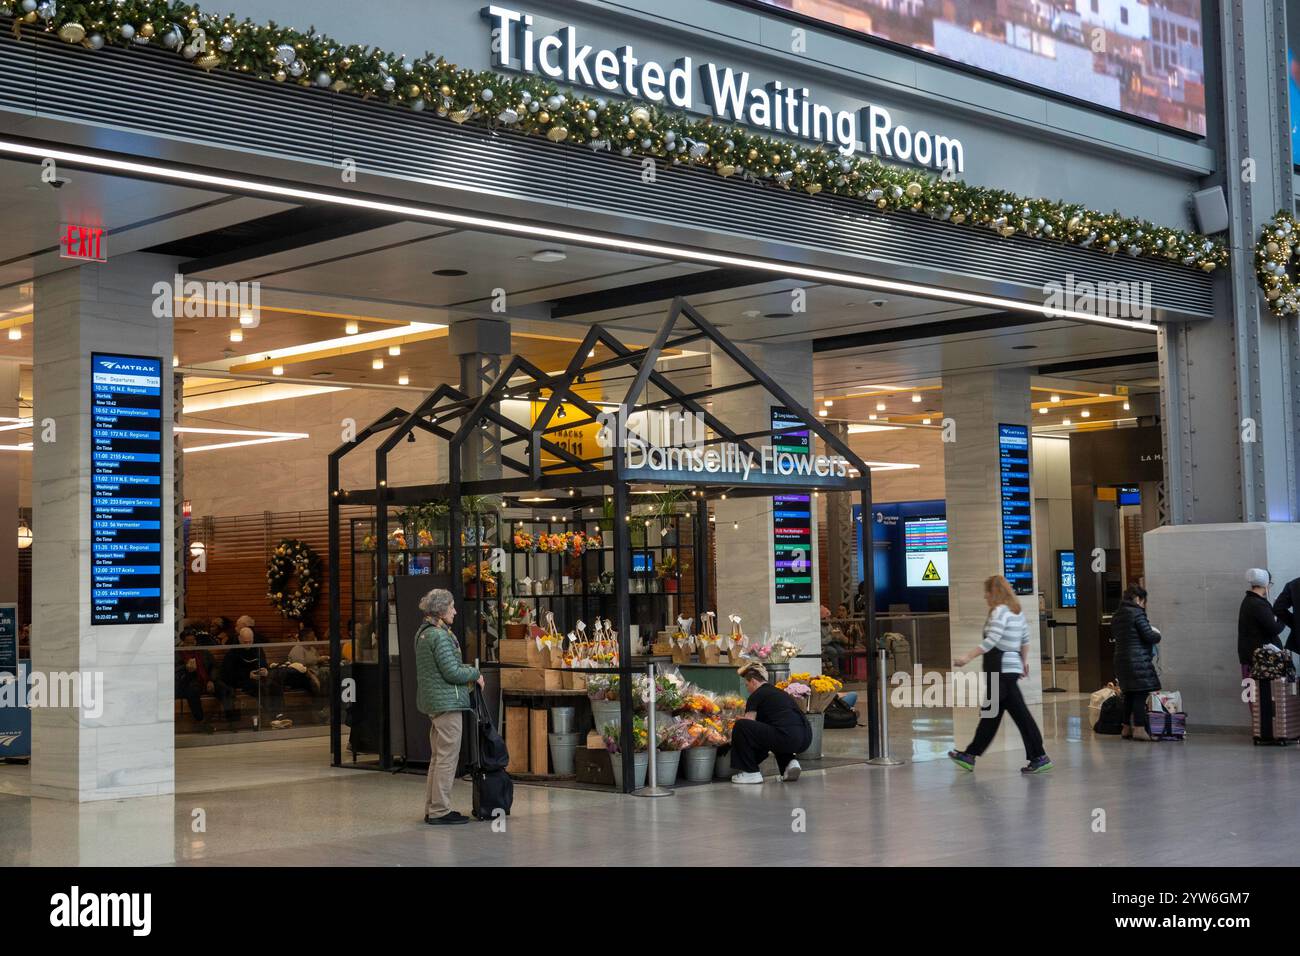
(1051, 637)
(883, 760)
(652, 746)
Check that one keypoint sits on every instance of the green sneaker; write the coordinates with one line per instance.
(962, 759)
(1038, 765)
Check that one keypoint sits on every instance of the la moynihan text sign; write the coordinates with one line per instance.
(727, 94)
(126, 489)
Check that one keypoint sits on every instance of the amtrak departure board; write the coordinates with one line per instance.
(126, 489)
(791, 521)
(1017, 523)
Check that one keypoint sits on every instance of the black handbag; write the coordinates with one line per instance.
(839, 715)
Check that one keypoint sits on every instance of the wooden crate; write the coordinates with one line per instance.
(512, 652)
(517, 739)
(539, 751)
(531, 678)
(574, 680)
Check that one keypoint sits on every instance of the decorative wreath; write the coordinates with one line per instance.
(293, 559)
(1279, 244)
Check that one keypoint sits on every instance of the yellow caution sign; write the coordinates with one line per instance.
(931, 573)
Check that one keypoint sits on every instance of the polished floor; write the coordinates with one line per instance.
(1213, 800)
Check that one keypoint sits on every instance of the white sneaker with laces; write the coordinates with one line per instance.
(746, 778)
(792, 771)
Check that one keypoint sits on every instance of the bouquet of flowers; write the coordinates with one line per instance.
(737, 639)
(640, 736)
(782, 651)
(525, 541)
(699, 703)
(668, 692)
(796, 689)
(602, 686)
(706, 732)
(709, 643)
(757, 652)
(481, 573)
(819, 691)
(674, 735)
(550, 642)
(682, 641)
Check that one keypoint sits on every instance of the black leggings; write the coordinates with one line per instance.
(752, 741)
(1010, 701)
(1135, 708)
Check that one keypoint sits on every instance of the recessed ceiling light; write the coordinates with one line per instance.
(247, 319)
(15, 333)
(880, 406)
(394, 350)
(277, 370)
(176, 360)
(450, 273)
(872, 416)
(403, 379)
(822, 412)
(925, 421)
(829, 403)
(1043, 410)
(377, 363)
(1056, 398)
(549, 255)
(778, 315)
(236, 335)
(352, 328)
(536, 499)
(1126, 406)
(1065, 422)
(916, 397)
(1085, 414)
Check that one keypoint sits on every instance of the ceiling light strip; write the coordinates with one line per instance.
(194, 178)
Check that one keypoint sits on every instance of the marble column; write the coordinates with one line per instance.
(745, 571)
(973, 407)
(127, 750)
(10, 463)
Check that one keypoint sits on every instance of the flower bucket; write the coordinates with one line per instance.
(670, 585)
(605, 712)
(666, 764)
(698, 763)
(563, 747)
(516, 632)
(777, 672)
(814, 751)
(562, 719)
(722, 766)
(641, 767)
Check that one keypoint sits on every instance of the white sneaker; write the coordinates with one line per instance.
(746, 778)
(792, 771)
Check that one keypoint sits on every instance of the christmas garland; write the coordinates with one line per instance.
(293, 558)
(1278, 244)
(538, 108)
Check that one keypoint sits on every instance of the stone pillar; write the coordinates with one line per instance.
(479, 344)
(10, 464)
(745, 572)
(128, 749)
(976, 404)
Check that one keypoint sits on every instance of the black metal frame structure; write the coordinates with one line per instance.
(520, 379)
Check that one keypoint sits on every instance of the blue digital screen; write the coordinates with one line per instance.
(1065, 579)
(643, 562)
(1293, 84)
(1128, 495)
(126, 512)
(1017, 505)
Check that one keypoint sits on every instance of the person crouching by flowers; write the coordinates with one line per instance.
(772, 723)
(442, 692)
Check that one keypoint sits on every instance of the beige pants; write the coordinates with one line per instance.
(444, 746)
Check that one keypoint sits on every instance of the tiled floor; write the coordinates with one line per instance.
(1213, 800)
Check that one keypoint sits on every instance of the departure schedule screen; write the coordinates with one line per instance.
(126, 489)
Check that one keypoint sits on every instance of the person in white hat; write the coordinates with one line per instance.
(1257, 625)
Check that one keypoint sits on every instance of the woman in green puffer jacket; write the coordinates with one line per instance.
(442, 691)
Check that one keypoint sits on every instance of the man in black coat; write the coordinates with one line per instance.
(1285, 609)
(1257, 625)
(1134, 667)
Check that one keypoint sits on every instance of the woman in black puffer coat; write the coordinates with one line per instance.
(1134, 669)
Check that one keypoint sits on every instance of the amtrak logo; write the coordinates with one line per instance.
(7, 740)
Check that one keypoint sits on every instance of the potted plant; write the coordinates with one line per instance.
(640, 752)
(517, 615)
(667, 573)
(602, 692)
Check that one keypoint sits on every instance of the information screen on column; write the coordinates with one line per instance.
(791, 522)
(126, 489)
(1017, 526)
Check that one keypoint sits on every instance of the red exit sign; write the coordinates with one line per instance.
(83, 242)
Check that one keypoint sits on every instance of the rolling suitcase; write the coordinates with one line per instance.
(493, 789)
(1275, 713)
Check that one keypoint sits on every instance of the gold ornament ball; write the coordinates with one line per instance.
(752, 155)
(146, 30)
(557, 134)
(776, 159)
(959, 218)
(726, 169)
(881, 204)
(72, 33)
(207, 61)
(460, 116)
(29, 17)
(543, 117)
(913, 190)
(1272, 248)
(640, 116)
(280, 76)
(346, 63)
(813, 188)
(413, 91)
(445, 90)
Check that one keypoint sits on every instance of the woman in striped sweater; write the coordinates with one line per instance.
(1006, 641)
